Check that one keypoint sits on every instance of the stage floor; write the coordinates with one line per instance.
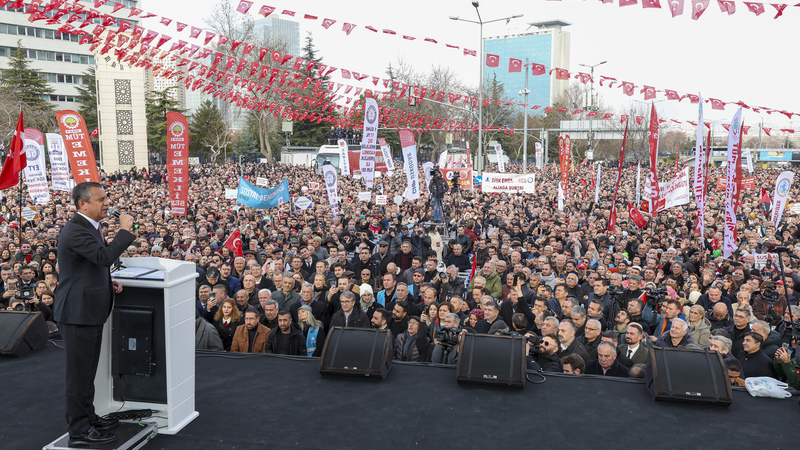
(263, 401)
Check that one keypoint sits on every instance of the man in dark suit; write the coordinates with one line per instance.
(83, 303)
(606, 362)
(633, 351)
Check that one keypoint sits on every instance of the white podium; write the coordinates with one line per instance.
(147, 356)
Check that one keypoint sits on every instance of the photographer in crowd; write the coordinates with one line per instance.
(446, 339)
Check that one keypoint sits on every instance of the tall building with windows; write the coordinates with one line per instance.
(59, 57)
(548, 44)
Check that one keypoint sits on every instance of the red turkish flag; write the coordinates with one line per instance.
(623, 118)
(727, 126)
(234, 243)
(514, 65)
(755, 8)
(636, 216)
(745, 129)
(676, 7)
(779, 7)
(787, 130)
(266, 10)
(326, 23)
(561, 74)
(626, 2)
(627, 88)
(649, 92)
(717, 104)
(244, 6)
(727, 6)
(698, 8)
(348, 27)
(672, 95)
(492, 60)
(94, 133)
(767, 131)
(16, 159)
(639, 119)
(538, 69)
(692, 98)
(651, 4)
(584, 77)
(468, 52)
(608, 116)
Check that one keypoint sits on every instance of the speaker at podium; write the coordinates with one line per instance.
(147, 356)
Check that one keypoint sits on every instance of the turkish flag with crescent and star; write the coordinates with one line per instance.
(492, 60)
(538, 69)
(636, 216)
(234, 243)
(514, 65)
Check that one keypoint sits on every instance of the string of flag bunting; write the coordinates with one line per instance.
(144, 38)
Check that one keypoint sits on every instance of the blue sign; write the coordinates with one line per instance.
(773, 155)
(478, 180)
(258, 198)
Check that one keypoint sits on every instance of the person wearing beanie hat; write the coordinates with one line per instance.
(368, 304)
(412, 344)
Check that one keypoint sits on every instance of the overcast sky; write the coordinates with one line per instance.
(739, 57)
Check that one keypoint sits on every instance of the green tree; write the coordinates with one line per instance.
(88, 99)
(208, 130)
(29, 88)
(158, 103)
(308, 132)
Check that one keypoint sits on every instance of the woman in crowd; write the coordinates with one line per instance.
(312, 329)
(699, 325)
(226, 320)
(475, 316)
(6, 257)
(321, 288)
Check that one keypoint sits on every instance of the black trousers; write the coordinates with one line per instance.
(82, 343)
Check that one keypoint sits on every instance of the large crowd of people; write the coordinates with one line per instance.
(590, 300)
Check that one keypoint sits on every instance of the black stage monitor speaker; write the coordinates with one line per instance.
(489, 359)
(22, 332)
(694, 376)
(360, 352)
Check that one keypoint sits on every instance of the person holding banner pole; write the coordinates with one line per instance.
(437, 188)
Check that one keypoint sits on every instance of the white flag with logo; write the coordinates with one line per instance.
(597, 186)
(748, 155)
(332, 184)
(35, 176)
(369, 142)
(539, 154)
(59, 165)
(501, 165)
(783, 185)
(344, 161)
(387, 154)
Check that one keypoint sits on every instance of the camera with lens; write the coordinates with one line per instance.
(25, 293)
(447, 337)
(656, 296)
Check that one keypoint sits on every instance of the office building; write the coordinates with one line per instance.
(548, 44)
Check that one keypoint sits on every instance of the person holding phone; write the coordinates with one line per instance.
(786, 367)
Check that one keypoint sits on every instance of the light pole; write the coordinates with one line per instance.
(481, 22)
(525, 93)
(589, 147)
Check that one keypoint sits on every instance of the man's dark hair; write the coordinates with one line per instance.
(575, 361)
(609, 334)
(419, 259)
(403, 305)
(53, 273)
(733, 365)
(284, 312)
(606, 282)
(674, 303)
(83, 191)
(394, 277)
(638, 301)
(756, 337)
(338, 264)
(720, 332)
(6, 267)
(384, 314)
(520, 321)
(250, 309)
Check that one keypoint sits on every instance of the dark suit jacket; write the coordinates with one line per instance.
(638, 357)
(84, 295)
(616, 370)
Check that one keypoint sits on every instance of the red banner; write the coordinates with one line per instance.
(177, 162)
(465, 179)
(748, 183)
(564, 148)
(78, 146)
(612, 217)
(653, 137)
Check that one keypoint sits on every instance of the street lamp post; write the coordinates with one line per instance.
(589, 147)
(481, 22)
(525, 93)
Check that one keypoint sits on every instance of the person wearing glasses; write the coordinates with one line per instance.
(349, 315)
(545, 357)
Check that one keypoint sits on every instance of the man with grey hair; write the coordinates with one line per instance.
(318, 309)
(286, 296)
(772, 339)
(350, 315)
(721, 344)
(606, 362)
(568, 343)
(591, 335)
(458, 258)
(438, 355)
(549, 325)
(676, 337)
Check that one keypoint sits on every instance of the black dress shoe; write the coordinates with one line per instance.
(104, 424)
(91, 438)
